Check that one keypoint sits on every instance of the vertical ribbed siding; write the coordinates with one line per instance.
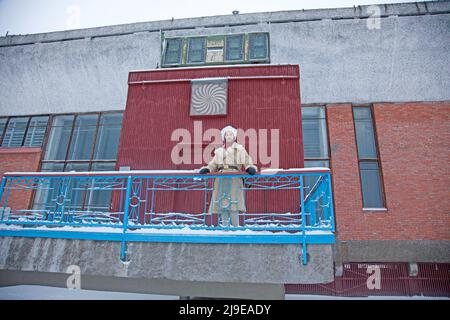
(433, 279)
(154, 110)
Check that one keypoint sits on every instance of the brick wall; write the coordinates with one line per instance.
(19, 159)
(414, 144)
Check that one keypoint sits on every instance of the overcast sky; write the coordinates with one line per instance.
(35, 16)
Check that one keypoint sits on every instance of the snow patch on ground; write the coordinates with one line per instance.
(33, 292)
(320, 297)
(29, 292)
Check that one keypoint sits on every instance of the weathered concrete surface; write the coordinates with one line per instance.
(341, 58)
(228, 263)
(260, 291)
(433, 251)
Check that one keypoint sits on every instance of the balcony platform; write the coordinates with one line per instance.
(170, 235)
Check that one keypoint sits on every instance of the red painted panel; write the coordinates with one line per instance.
(155, 110)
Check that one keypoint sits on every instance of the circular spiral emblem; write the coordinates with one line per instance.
(209, 99)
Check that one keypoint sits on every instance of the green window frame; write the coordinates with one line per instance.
(173, 51)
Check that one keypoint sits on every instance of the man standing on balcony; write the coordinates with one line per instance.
(228, 197)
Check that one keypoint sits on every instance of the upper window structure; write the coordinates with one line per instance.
(196, 50)
(242, 48)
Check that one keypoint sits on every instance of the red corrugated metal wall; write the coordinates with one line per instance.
(432, 279)
(154, 110)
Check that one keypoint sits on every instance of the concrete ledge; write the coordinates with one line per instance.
(152, 286)
(400, 9)
(437, 251)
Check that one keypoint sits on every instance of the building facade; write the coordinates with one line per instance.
(373, 100)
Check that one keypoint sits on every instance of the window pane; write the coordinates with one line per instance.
(111, 118)
(234, 47)
(313, 113)
(58, 140)
(371, 185)
(108, 137)
(258, 46)
(103, 166)
(83, 137)
(79, 188)
(310, 181)
(45, 195)
(316, 163)
(36, 132)
(173, 51)
(365, 137)
(314, 127)
(197, 50)
(15, 132)
(74, 166)
(362, 113)
(52, 167)
(100, 200)
(2, 127)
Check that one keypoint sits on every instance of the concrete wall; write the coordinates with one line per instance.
(341, 59)
(432, 251)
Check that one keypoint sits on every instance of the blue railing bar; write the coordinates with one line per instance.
(177, 176)
(5, 202)
(125, 217)
(201, 227)
(2, 188)
(302, 208)
(331, 214)
(194, 238)
(60, 224)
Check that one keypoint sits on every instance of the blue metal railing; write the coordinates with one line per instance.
(288, 204)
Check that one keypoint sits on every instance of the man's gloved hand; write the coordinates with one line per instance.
(251, 170)
(204, 171)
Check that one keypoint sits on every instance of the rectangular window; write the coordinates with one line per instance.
(85, 142)
(80, 141)
(234, 48)
(315, 141)
(83, 137)
(196, 50)
(58, 140)
(108, 135)
(36, 131)
(369, 164)
(173, 51)
(259, 46)
(15, 132)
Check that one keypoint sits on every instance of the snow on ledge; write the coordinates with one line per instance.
(158, 172)
(183, 231)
